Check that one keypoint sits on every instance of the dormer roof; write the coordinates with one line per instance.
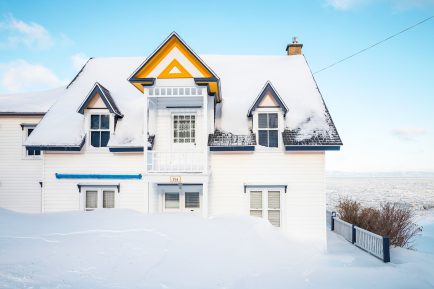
(267, 92)
(99, 91)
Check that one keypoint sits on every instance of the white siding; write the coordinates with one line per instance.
(63, 194)
(303, 205)
(19, 176)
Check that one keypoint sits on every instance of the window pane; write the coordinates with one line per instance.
(263, 137)
(105, 136)
(94, 138)
(274, 217)
(273, 138)
(262, 120)
(105, 122)
(29, 131)
(37, 152)
(108, 199)
(171, 200)
(273, 199)
(91, 199)
(256, 213)
(272, 120)
(94, 121)
(256, 200)
(192, 200)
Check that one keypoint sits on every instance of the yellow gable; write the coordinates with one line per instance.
(175, 70)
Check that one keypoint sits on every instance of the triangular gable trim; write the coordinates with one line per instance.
(268, 89)
(180, 73)
(105, 95)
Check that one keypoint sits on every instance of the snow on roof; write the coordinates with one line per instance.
(242, 79)
(31, 102)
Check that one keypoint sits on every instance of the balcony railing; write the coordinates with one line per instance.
(169, 162)
(171, 91)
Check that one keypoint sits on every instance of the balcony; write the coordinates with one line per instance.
(181, 91)
(175, 162)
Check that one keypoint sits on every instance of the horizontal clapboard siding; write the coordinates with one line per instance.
(19, 177)
(63, 194)
(303, 205)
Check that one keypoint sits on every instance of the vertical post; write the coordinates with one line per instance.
(205, 131)
(147, 207)
(353, 234)
(332, 222)
(386, 249)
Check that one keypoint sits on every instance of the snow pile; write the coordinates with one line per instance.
(126, 249)
(32, 102)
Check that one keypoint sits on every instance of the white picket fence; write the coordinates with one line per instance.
(374, 244)
(370, 242)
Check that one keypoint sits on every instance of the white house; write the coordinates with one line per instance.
(175, 132)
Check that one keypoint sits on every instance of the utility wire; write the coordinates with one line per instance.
(373, 45)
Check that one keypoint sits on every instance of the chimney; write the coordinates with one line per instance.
(294, 48)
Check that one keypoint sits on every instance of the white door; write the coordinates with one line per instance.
(266, 203)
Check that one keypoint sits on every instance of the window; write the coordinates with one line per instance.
(99, 130)
(266, 204)
(31, 152)
(268, 129)
(184, 128)
(192, 200)
(99, 198)
(171, 200)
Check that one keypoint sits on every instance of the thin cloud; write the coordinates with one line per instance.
(345, 5)
(15, 33)
(409, 132)
(20, 75)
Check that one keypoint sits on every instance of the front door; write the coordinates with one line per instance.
(186, 199)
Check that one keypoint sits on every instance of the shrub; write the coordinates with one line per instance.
(392, 220)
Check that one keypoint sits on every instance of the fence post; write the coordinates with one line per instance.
(353, 235)
(332, 222)
(386, 249)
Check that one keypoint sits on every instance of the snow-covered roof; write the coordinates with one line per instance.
(29, 103)
(242, 79)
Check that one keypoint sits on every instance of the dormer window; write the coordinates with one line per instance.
(99, 130)
(268, 129)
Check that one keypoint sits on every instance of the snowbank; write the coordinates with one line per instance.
(126, 249)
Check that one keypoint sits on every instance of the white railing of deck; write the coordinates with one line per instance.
(344, 229)
(369, 241)
(172, 91)
(175, 161)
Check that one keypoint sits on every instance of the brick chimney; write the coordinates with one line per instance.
(294, 48)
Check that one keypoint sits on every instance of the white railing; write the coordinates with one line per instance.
(344, 229)
(175, 161)
(370, 242)
(172, 91)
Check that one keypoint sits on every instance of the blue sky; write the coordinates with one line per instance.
(382, 101)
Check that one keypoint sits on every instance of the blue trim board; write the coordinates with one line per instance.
(312, 148)
(126, 149)
(58, 148)
(231, 148)
(144, 81)
(97, 176)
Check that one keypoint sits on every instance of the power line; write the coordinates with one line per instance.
(373, 45)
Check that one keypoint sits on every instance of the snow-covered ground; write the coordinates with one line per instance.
(126, 249)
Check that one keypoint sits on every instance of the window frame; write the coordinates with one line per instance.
(26, 155)
(88, 119)
(268, 129)
(100, 189)
(195, 138)
(265, 209)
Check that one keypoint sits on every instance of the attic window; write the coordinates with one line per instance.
(268, 129)
(99, 130)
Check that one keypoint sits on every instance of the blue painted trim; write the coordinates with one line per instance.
(268, 88)
(312, 148)
(126, 149)
(231, 148)
(143, 81)
(58, 148)
(97, 176)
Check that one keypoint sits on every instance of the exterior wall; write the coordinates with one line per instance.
(303, 205)
(63, 194)
(19, 176)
